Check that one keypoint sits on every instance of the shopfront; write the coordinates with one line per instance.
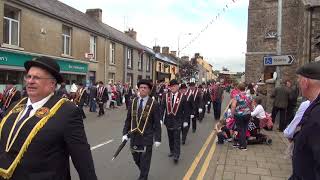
(12, 69)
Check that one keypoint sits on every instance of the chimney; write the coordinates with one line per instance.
(173, 53)
(131, 33)
(95, 13)
(165, 50)
(196, 55)
(156, 49)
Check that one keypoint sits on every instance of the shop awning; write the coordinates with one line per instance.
(16, 60)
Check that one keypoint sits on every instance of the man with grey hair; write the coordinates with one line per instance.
(306, 151)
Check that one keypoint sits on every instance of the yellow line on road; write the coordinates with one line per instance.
(207, 161)
(198, 157)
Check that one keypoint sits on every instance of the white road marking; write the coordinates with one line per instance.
(102, 144)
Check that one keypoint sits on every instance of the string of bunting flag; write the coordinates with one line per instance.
(215, 18)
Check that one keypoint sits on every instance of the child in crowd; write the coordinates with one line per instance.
(223, 132)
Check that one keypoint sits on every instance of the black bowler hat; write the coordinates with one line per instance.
(200, 86)
(173, 82)
(192, 84)
(145, 82)
(46, 63)
(311, 70)
(183, 86)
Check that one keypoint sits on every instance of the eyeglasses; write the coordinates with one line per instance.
(35, 78)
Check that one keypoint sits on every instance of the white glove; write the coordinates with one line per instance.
(191, 116)
(125, 137)
(161, 122)
(200, 110)
(208, 102)
(94, 99)
(185, 124)
(157, 144)
(206, 105)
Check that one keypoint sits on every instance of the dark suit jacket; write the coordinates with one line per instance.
(104, 96)
(47, 156)
(189, 109)
(83, 98)
(152, 130)
(175, 121)
(281, 97)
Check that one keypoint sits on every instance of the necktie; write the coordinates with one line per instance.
(172, 101)
(22, 119)
(140, 108)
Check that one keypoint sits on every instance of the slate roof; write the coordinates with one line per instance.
(75, 17)
(166, 58)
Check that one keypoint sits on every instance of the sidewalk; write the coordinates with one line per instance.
(259, 162)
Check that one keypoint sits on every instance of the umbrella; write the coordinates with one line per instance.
(119, 149)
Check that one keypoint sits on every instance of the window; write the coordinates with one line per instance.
(112, 77)
(139, 77)
(148, 64)
(148, 77)
(66, 40)
(112, 53)
(11, 26)
(129, 58)
(93, 47)
(129, 79)
(160, 67)
(140, 65)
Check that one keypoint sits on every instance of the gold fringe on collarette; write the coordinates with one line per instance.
(7, 173)
(144, 114)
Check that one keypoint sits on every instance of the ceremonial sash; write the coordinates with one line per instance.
(9, 97)
(139, 124)
(188, 94)
(176, 105)
(16, 145)
(79, 95)
(100, 92)
(195, 94)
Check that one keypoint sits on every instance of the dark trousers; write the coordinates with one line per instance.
(242, 126)
(194, 123)
(216, 109)
(290, 114)
(93, 105)
(83, 115)
(174, 142)
(184, 131)
(143, 161)
(282, 122)
(209, 107)
(201, 115)
(101, 109)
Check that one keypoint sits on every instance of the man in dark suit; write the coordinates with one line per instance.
(102, 97)
(280, 104)
(81, 96)
(142, 126)
(92, 97)
(41, 132)
(174, 108)
(188, 110)
(196, 105)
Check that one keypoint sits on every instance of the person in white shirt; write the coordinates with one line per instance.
(258, 111)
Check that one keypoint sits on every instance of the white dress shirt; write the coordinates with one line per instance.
(259, 112)
(144, 102)
(289, 131)
(35, 106)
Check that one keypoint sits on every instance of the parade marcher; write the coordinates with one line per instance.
(10, 95)
(196, 105)
(306, 151)
(174, 109)
(92, 97)
(280, 104)
(73, 90)
(208, 97)
(81, 96)
(202, 104)
(217, 98)
(143, 126)
(188, 112)
(62, 91)
(41, 132)
(127, 92)
(102, 97)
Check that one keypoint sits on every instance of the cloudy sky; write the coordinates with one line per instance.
(222, 43)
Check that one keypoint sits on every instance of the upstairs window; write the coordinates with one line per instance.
(112, 53)
(140, 64)
(93, 47)
(11, 26)
(66, 40)
(129, 58)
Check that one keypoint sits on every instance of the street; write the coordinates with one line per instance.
(104, 135)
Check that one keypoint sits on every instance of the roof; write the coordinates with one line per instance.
(311, 3)
(166, 58)
(73, 16)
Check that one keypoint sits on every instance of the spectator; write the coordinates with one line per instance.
(280, 104)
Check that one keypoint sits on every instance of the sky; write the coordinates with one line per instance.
(176, 23)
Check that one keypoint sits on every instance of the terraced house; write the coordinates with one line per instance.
(87, 49)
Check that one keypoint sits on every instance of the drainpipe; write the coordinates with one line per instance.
(279, 42)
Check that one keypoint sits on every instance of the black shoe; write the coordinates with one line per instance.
(176, 160)
(193, 130)
(236, 145)
(183, 142)
(243, 148)
(170, 155)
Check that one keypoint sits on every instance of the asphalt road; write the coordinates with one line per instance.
(104, 135)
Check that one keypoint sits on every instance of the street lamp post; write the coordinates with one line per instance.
(179, 36)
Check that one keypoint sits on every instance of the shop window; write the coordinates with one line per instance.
(66, 40)
(112, 77)
(93, 47)
(11, 26)
(112, 53)
(140, 61)
(129, 58)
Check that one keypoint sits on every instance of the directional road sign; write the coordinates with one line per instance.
(278, 60)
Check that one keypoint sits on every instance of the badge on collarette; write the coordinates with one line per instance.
(19, 108)
(42, 112)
